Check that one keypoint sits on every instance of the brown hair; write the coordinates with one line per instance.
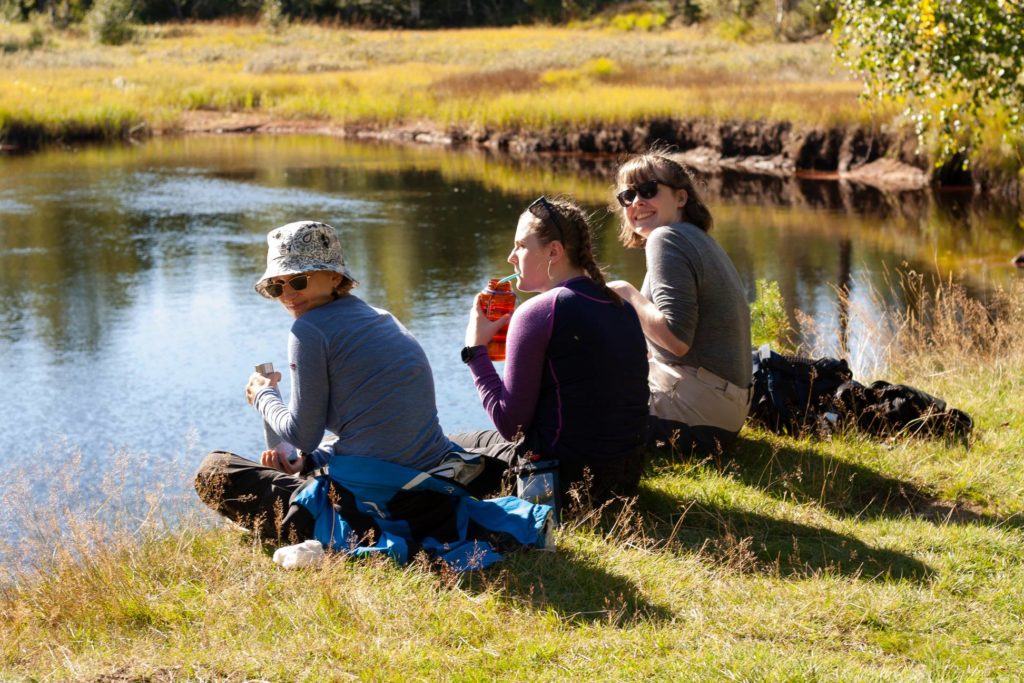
(344, 287)
(661, 166)
(576, 237)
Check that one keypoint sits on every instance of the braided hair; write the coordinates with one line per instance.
(576, 237)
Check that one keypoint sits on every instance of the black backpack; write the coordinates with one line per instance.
(795, 395)
(885, 409)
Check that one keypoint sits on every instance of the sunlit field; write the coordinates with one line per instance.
(506, 79)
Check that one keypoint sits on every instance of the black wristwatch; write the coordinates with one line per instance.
(469, 352)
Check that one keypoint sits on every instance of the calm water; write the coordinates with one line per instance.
(129, 324)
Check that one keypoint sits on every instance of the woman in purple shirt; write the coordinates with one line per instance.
(574, 387)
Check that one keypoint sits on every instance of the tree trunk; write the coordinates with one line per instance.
(780, 14)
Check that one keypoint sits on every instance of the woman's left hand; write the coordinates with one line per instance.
(480, 330)
(258, 382)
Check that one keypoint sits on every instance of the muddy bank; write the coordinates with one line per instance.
(868, 157)
(817, 191)
(878, 159)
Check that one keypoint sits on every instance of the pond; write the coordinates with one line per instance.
(129, 324)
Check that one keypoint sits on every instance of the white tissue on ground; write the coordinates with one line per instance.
(300, 555)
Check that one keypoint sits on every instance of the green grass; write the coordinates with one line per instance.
(786, 559)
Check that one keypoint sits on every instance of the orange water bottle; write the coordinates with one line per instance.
(496, 300)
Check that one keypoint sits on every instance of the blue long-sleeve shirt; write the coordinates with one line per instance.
(357, 373)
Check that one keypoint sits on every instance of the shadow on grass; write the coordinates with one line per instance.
(805, 475)
(750, 542)
(578, 590)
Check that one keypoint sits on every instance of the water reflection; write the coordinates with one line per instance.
(128, 318)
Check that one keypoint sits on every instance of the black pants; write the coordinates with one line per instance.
(261, 499)
(256, 497)
(604, 480)
(498, 455)
(684, 440)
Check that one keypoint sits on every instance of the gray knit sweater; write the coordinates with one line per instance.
(695, 285)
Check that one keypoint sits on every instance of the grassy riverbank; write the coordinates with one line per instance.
(60, 84)
(848, 559)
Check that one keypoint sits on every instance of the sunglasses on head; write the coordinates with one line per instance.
(298, 283)
(645, 190)
(542, 209)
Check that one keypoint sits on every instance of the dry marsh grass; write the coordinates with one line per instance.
(941, 330)
(507, 78)
(787, 559)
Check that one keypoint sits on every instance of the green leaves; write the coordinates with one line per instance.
(954, 64)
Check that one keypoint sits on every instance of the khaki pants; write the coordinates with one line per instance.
(696, 397)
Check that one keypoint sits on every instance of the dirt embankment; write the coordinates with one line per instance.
(876, 158)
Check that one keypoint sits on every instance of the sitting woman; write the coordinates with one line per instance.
(692, 307)
(574, 385)
(355, 372)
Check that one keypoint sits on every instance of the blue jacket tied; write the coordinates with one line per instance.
(366, 506)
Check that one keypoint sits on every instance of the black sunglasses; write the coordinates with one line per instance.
(542, 209)
(645, 190)
(298, 283)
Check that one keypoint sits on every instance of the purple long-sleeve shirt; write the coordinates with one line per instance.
(575, 379)
(512, 402)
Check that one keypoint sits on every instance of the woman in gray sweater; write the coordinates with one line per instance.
(692, 307)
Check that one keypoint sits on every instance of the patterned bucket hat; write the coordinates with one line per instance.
(302, 247)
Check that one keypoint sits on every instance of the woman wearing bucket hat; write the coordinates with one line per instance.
(692, 307)
(356, 373)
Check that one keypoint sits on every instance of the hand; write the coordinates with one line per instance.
(480, 330)
(277, 458)
(625, 290)
(258, 382)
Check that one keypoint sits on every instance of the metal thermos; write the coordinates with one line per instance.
(537, 482)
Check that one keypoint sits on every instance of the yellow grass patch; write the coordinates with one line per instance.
(505, 78)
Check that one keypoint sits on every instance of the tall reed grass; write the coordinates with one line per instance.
(941, 330)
